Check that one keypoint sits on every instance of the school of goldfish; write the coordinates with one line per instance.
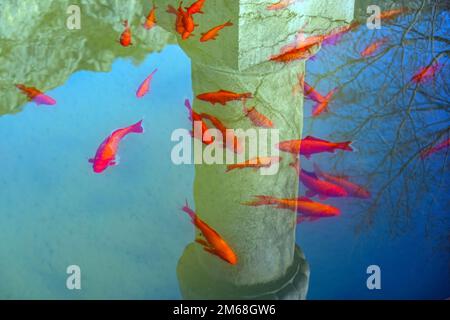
(318, 183)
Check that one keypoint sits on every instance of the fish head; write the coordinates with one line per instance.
(100, 165)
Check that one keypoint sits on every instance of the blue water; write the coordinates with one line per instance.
(124, 227)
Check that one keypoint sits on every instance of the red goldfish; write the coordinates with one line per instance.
(184, 23)
(281, 4)
(307, 209)
(352, 189)
(214, 32)
(223, 96)
(426, 73)
(255, 163)
(214, 242)
(150, 21)
(196, 7)
(428, 152)
(106, 153)
(258, 119)
(125, 37)
(336, 34)
(36, 96)
(194, 116)
(311, 145)
(391, 14)
(145, 85)
(297, 53)
(312, 94)
(319, 187)
(235, 145)
(373, 47)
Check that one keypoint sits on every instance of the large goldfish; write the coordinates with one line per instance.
(144, 88)
(426, 73)
(36, 96)
(440, 146)
(223, 96)
(255, 163)
(125, 37)
(352, 189)
(150, 21)
(195, 117)
(213, 243)
(214, 32)
(234, 144)
(107, 152)
(322, 188)
(311, 145)
(373, 47)
(257, 118)
(196, 7)
(311, 93)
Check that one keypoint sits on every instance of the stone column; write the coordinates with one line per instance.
(270, 264)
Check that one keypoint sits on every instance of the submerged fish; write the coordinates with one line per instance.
(144, 88)
(36, 96)
(214, 32)
(107, 152)
(426, 73)
(311, 145)
(322, 188)
(196, 7)
(125, 37)
(296, 53)
(150, 21)
(440, 146)
(281, 4)
(373, 47)
(234, 145)
(223, 96)
(255, 163)
(393, 13)
(257, 118)
(213, 243)
(311, 93)
(194, 117)
(352, 189)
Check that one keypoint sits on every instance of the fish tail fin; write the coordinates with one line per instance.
(330, 94)
(153, 72)
(247, 95)
(20, 86)
(319, 108)
(345, 146)
(137, 127)
(228, 23)
(188, 105)
(260, 201)
(231, 167)
(125, 23)
(188, 210)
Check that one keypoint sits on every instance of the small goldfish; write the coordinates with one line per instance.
(394, 13)
(311, 145)
(125, 37)
(150, 21)
(144, 88)
(106, 153)
(193, 117)
(214, 32)
(322, 188)
(426, 73)
(255, 163)
(428, 152)
(352, 189)
(282, 4)
(335, 35)
(301, 51)
(223, 96)
(188, 23)
(373, 47)
(214, 242)
(311, 93)
(235, 145)
(36, 96)
(258, 119)
(196, 7)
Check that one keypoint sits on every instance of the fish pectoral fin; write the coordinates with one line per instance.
(210, 250)
(202, 242)
(91, 160)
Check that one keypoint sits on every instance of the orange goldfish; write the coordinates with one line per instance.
(145, 86)
(125, 37)
(255, 163)
(311, 145)
(235, 145)
(426, 73)
(428, 152)
(36, 96)
(281, 4)
(184, 23)
(107, 152)
(391, 14)
(214, 242)
(352, 189)
(196, 7)
(373, 47)
(223, 96)
(300, 52)
(258, 119)
(322, 188)
(150, 21)
(214, 32)
(322, 102)
(195, 117)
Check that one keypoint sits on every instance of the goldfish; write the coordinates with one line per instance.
(307, 209)
(322, 102)
(353, 190)
(311, 145)
(214, 32)
(125, 37)
(258, 119)
(196, 7)
(36, 96)
(282, 4)
(301, 51)
(373, 47)
(428, 152)
(150, 21)
(223, 96)
(319, 187)
(391, 14)
(107, 152)
(426, 73)
(193, 117)
(335, 35)
(213, 243)
(144, 88)
(255, 163)
(184, 23)
(235, 145)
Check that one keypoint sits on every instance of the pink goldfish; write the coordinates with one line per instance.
(428, 152)
(144, 88)
(107, 152)
(311, 93)
(311, 145)
(426, 73)
(36, 96)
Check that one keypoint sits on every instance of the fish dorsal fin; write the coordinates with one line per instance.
(306, 199)
(311, 174)
(91, 160)
(224, 91)
(311, 138)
